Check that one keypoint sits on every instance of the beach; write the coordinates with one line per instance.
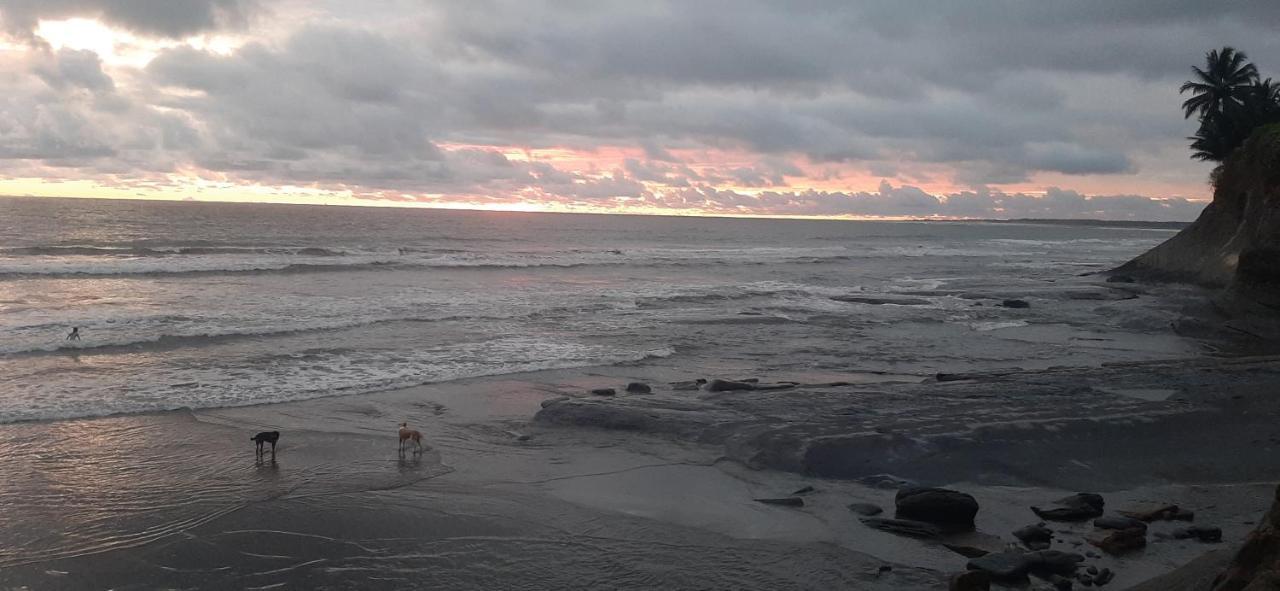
(875, 356)
(177, 498)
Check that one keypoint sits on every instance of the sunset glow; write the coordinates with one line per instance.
(297, 103)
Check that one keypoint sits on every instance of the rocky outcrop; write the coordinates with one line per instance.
(1235, 243)
(1256, 567)
(948, 509)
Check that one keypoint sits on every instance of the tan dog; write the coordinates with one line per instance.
(407, 434)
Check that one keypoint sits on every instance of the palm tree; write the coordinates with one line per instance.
(1221, 86)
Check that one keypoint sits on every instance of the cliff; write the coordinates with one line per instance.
(1235, 243)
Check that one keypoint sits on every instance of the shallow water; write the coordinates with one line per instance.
(207, 305)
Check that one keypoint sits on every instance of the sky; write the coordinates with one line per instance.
(831, 108)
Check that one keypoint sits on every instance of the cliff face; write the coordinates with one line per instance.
(1256, 567)
(1235, 243)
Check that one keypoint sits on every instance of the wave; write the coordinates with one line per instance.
(261, 394)
(311, 260)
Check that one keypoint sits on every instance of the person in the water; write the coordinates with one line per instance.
(74, 335)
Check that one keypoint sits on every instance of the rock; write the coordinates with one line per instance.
(1202, 533)
(1002, 566)
(1093, 570)
(523, 438)
(1053, 561)
(1118, 541)
(952, 510)
(1061, 583)
(1120, 279)
(1119, 522)
(686, 386)
(1104, 577)
(1015, 304)
(972, 580)
(1077, 507)
(550, 401)
(1184, 515)
(784, 501)
(865, 509)
(1149, 513)
(638, 388)
(604, 391)
(1035, 537)
(905, 527)
(718, 385)
(803, 490)
(1086, 580)
(877, 301)
(966, 551)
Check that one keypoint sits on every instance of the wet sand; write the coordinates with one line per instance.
(500, 500)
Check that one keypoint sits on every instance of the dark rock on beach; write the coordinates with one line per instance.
(783, 501)
(1203, 533)
(604, 391)
(1015, 304)
(1053, 561)
(1149, 513)
(1118, 541)
(638, 388)
(966, 551)
(949, 509)
(866, 509)
(973, 580)
(1002, 566)
(687, 385)
(1035, 537)
(903, 527)
(719, 385)
(1077, 507)
(1119, 522)
(1120, 279)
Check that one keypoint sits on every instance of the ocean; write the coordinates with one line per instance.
(200, 305)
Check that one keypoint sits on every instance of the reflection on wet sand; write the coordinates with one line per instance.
(79, 487)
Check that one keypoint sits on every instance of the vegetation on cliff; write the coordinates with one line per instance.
(1231, 100)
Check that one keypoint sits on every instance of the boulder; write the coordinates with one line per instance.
(1119, 522)
(966, 551)
(866, 509)
(949, 509)
(686, 386)
(904, 527)
(1120, 279)
(604, 391)
(1077, 507)
(718, 385)
(1035, 536)
(1020, 304)
(1103, 577)
(1199, 532)
(972, 580)
(638, 388)
(1154, 512)
(1053, 561)
(1118, 541)
(804, 490)
(1002, 566)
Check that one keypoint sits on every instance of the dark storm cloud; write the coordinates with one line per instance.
(362, 96)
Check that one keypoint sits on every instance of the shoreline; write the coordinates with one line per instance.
(486, 449)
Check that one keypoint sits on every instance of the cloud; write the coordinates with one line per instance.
(782, 106)
(163, 18)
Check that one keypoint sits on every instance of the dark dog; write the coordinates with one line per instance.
(266, 437)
